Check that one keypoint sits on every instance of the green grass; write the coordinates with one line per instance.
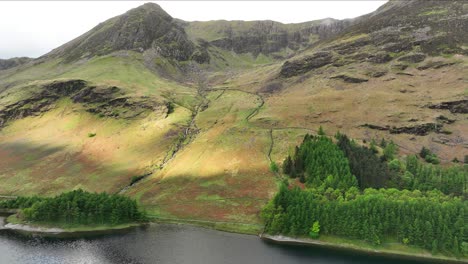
(13, 219)
(435, 12)
(390, 246)
(242, 228)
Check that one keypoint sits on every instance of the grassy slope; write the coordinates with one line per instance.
(222, 175)
(42, 156)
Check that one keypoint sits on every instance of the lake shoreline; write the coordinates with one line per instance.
(220, 226)
(284, 240)
(51, 231)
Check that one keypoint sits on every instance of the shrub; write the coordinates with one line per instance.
(315, 230)
(273, 167)
(90, 135)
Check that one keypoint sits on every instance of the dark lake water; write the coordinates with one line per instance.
(171, 244)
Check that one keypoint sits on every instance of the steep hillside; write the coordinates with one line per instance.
(186, 117)
(13, 62)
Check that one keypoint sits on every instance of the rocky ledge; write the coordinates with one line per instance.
(308, 63)
(102, 100)
(418, 130)
(455, 107)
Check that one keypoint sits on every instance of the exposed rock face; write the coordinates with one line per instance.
(266, 37)
(444, 119)
(142, 28)
(297, 67)
(380, 57)
(105, 101)
(349, 79)
(456, 107)
(435, 65)
(435, 26)
(393, 32)
(413, 58)
(13, 62)
(419, 130)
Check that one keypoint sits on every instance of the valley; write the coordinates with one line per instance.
(188, 118)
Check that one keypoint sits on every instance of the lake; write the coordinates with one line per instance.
(171, 244)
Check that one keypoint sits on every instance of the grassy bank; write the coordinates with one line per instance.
(12, 219)
(232, 227)
(389, 249)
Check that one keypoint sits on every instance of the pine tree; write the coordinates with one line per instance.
(287, 165)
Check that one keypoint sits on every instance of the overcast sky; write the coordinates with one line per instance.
(34, 28)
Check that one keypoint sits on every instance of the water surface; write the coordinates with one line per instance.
(169, 244)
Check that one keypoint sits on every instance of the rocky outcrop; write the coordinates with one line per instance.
(413, 58)
(104, 101)
(418, 130)
(380, 57)
(435, 65)
(455, 107)
(140, 29)
(308, 63)
(40, 101)
(444, 119)
(265, 37)
(107, 101)
(349, 79)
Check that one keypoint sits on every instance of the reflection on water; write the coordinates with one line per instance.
(172, 244)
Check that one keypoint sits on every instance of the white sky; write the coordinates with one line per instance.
(34, 28)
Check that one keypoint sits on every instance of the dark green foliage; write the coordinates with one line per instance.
(428, 156)
(321, 132)
(389, 152)
(80, 207)
(136, 179)
(170, 107)
(287, 165)
(373, 146)
(419, 176)
(425, 216)
(273, 167)
(369, 170)
(319, 162)
(424, 152)
(383, 143)
(430, 220)
(20, 202)
(91, 135)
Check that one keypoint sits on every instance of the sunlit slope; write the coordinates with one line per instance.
(223, 174)
(124, 69)
(52, 148)
(68, 148)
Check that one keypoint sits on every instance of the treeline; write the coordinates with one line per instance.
(370, 170)
(319, 162)
(412, 174)
(431, 220)
(20, 202)
(423, 205)
(78, 207)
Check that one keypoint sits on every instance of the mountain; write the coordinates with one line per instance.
(13, 62)
(186, 117)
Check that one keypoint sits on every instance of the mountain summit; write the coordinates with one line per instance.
(142, 28)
